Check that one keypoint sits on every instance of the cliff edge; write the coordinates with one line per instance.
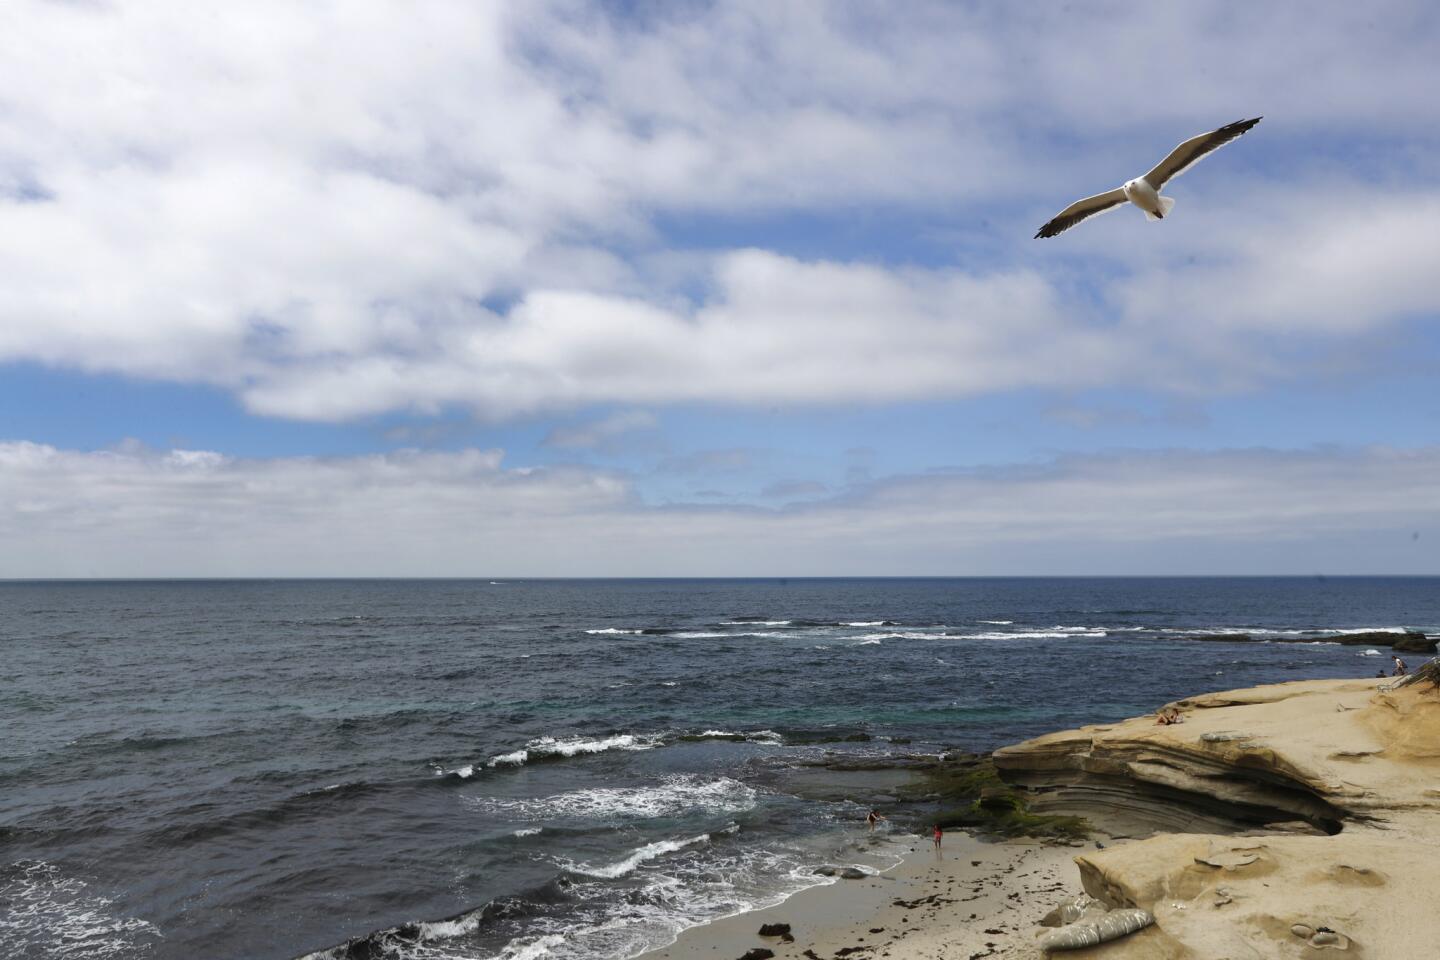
(1291, 820)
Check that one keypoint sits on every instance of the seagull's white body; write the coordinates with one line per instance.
(1144, 196)
(1144, 192)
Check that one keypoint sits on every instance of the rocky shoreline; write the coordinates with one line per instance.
(1295, 820)
(1276, 821)
(1400, 641)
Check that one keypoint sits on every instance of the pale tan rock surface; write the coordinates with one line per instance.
(1251, 781)
(1352, 757)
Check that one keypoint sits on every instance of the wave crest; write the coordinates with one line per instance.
(673, 796)
(550, 748)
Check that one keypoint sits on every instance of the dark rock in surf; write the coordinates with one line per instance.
(1410, 641)
(1413, 643)
(1383, 638)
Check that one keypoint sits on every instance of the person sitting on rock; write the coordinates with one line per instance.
(1168, 716)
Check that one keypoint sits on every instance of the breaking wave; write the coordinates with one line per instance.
(63, 918)
(670, 797)
(549, 748)
(626, 866)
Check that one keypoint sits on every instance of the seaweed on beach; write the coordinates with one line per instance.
(972, 795)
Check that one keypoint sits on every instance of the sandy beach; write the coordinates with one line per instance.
(1290, 821)
(974, 899)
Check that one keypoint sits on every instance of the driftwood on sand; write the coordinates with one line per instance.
(1104, 928)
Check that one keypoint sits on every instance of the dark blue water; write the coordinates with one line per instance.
(263, 769)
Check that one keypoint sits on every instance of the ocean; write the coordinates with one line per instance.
(543, 769)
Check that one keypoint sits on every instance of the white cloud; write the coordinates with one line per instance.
(132, 512)
(778, 331)
(326, 207)
(602, 433)
(1319, 258)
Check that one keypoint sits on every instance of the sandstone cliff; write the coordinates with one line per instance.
(1311, 806)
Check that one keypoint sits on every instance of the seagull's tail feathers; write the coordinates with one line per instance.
(1166, 205)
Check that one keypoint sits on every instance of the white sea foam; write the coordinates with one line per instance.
(445, 929)
(1372, 652)
(1003, 623)
(756, 736)
(987, 635)
(532, 948)
(672, 796)
(866, 623)
(761, 634)
(694, 888)
(648, 852)
(615, 630)
(514, 758)
(902, 635)
(1029, 635)
(688, 882)
(865, 643)
(61, 917)
(546, 747)
(756, 623)
(1267, 632)
(527, 832)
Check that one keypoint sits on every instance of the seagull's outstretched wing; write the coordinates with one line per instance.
(1185, 155)
(1080, 210)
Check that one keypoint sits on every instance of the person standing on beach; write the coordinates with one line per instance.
(939, 835)
(1400, 668)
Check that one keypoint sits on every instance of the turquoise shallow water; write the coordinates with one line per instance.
(267, 768)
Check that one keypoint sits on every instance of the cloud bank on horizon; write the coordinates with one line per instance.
(596, 219)
(416, 513)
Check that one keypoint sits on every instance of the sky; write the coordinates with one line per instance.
(430, 288)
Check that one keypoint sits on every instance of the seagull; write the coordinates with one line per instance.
(1144, 191)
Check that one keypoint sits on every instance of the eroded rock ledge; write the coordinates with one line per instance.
(1294, 820)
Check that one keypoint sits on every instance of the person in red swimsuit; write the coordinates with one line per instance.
(939, 835)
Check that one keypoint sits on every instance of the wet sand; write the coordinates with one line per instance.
(973, 900)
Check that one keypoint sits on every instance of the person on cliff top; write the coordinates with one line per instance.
(1400, 668)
